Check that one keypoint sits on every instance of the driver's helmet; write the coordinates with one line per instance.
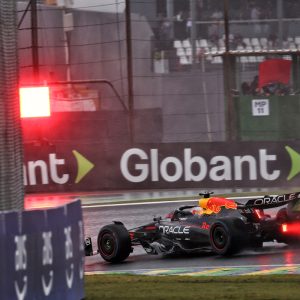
(197, 210)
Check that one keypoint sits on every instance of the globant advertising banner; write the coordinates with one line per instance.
(91, 167)
(42, 254)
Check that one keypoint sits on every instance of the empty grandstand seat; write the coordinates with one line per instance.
(292, 46)
(184, 60)
(249, 48)
(255, 42)
(252, 59)
(297, 40)
(213, 50)
(240, 48)
(188, 51)
(260, 58)
(203, 43)
(180, 52)
(221, 43)
(216, 60)
(264, 42)
(285, 44)
(246, 41)
(186, 44)
(244, 59)
(257, 48)
(177, 44)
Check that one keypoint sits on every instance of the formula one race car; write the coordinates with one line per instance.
(217, 224)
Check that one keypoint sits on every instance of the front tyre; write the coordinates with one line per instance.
(224, 239)
(114, 243)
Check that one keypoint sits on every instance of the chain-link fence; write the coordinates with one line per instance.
(11, 176)
(176, 58)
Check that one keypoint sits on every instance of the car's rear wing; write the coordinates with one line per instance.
(272, 201)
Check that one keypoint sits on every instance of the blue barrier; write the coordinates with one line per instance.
(42, 254)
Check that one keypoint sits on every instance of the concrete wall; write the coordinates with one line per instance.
(191, 101)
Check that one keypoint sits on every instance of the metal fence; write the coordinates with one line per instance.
(11, 154)
(166, 56)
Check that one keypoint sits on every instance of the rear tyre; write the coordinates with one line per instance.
(282, 216)
(114, 243)
(224, 239)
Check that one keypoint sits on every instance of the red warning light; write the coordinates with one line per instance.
(35, 102)
(291, 228)
(284, 227)
(259, 213)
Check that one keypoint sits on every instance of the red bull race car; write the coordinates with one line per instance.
(217, 224)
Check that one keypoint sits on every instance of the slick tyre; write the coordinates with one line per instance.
(114, 243)
(282, 216)
(224, 239)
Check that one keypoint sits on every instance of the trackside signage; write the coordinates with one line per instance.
(213, 165)
(41, 254)
(168, 165)
(190, 167)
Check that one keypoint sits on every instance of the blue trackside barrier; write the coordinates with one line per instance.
(42, 254)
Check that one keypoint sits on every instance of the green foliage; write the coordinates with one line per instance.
(125, 287)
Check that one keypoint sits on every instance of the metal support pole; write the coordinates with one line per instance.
(129, 71)
(34, 40)
(11, 146)
(170, 15)
(226, 26)
(296, 72)
(24, 14)
(228, 68)
(280, 22)
(193, 16)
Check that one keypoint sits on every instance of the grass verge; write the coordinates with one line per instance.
(267, 287)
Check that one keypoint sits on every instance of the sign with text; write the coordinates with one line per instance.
(92, 167)
(260, 107)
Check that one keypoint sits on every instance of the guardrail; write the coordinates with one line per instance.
(42, 254)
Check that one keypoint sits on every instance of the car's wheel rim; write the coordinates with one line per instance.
(107, 244)
(220, 238)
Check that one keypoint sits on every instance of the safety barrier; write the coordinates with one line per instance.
(41, 254)
(96, 167)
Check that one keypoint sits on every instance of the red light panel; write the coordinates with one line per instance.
(291, 228)
(259, 213)
(284, 227)
(35, 102)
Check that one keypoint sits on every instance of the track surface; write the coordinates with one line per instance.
(272, 254)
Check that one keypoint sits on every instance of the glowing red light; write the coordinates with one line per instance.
(259, 213)
(284, 227)
(35, 102)
(291, 228)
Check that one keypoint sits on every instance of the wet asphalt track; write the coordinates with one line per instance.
(272, 254)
